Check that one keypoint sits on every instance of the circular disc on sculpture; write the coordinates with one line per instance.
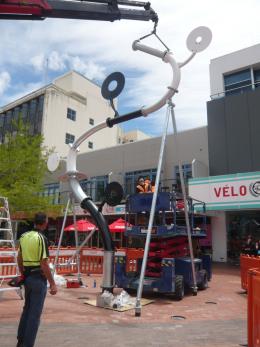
(199, 39)
(109, 94)
(53, 162)
(113, 193)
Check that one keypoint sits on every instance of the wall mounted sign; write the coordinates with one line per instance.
(227, 192)
(119, 209)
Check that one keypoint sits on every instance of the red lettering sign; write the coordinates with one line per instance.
(242, 190)
(225, 191)
(228, 191)
(217, 192)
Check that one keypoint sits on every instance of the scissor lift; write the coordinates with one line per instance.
(168, 267)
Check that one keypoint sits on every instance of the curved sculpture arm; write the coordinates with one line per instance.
(72, 155)
(176, 75)
(187, 60)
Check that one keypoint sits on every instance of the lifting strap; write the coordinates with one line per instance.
(154, 32)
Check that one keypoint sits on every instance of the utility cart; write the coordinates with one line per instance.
(168, 267)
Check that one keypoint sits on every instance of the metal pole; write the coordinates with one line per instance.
(61, 234)
(151, 219)
(76, 239)
(82, 245)
(187, 220)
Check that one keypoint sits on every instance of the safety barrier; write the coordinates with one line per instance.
(132, 257)
(65, 265)
(91, 264)
(253, 308)
(7, 270)
(247, 262)
(91, 260)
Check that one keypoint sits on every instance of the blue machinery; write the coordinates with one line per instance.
(168, 268)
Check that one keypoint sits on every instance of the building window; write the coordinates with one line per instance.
(132, 177)
(69, 138)
(95, 187)
(91, 121)
(257, 78)
(238, 82)
(90, 144)
(187, 173)
(2, 121)
(71, 114)
(88, 187)
(52, 191)
(30, 113)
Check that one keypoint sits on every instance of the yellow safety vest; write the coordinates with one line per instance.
(33, 248)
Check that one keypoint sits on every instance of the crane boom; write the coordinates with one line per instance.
(103, 10)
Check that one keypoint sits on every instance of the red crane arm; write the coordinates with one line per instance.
(32, 7)
(104, 10)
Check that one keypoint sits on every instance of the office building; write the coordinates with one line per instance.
(232, 191)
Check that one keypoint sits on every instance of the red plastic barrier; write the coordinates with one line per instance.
(62, 267)
(246, 263)
(91, 264)
(91, 260)
(132, 256)
(7, 270)
(253, 308)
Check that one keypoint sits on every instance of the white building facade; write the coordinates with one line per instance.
(61, 112)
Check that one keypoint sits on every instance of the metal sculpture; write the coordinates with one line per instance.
(197, 41)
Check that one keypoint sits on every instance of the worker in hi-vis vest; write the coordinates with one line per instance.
(34, 268)
(143, 185)
(140, 186)
(147, 183)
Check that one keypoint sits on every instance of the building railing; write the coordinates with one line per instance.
(234, 91)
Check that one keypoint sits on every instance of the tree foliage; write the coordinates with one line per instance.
(22, 170)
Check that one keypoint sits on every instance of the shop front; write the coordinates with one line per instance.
(233, 202)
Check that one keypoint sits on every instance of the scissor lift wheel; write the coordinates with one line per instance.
(179, 287)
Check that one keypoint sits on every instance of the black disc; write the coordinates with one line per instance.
(113, 193)
(119, 78)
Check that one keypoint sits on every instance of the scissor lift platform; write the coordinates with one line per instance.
(168, 268)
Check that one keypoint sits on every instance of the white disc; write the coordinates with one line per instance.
(199, 39)
(53, 162)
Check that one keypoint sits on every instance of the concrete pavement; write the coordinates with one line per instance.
(215, 317)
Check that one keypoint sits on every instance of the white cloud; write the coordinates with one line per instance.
(56, 61)
(89, 69)
(5, 80)
(38, 62)
(53, 61)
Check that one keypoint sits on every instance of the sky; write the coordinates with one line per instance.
(34, 53)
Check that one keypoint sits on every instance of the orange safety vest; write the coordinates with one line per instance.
(140, 189)
(148, 187)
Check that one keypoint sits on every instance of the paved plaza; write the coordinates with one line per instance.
(215, 317)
